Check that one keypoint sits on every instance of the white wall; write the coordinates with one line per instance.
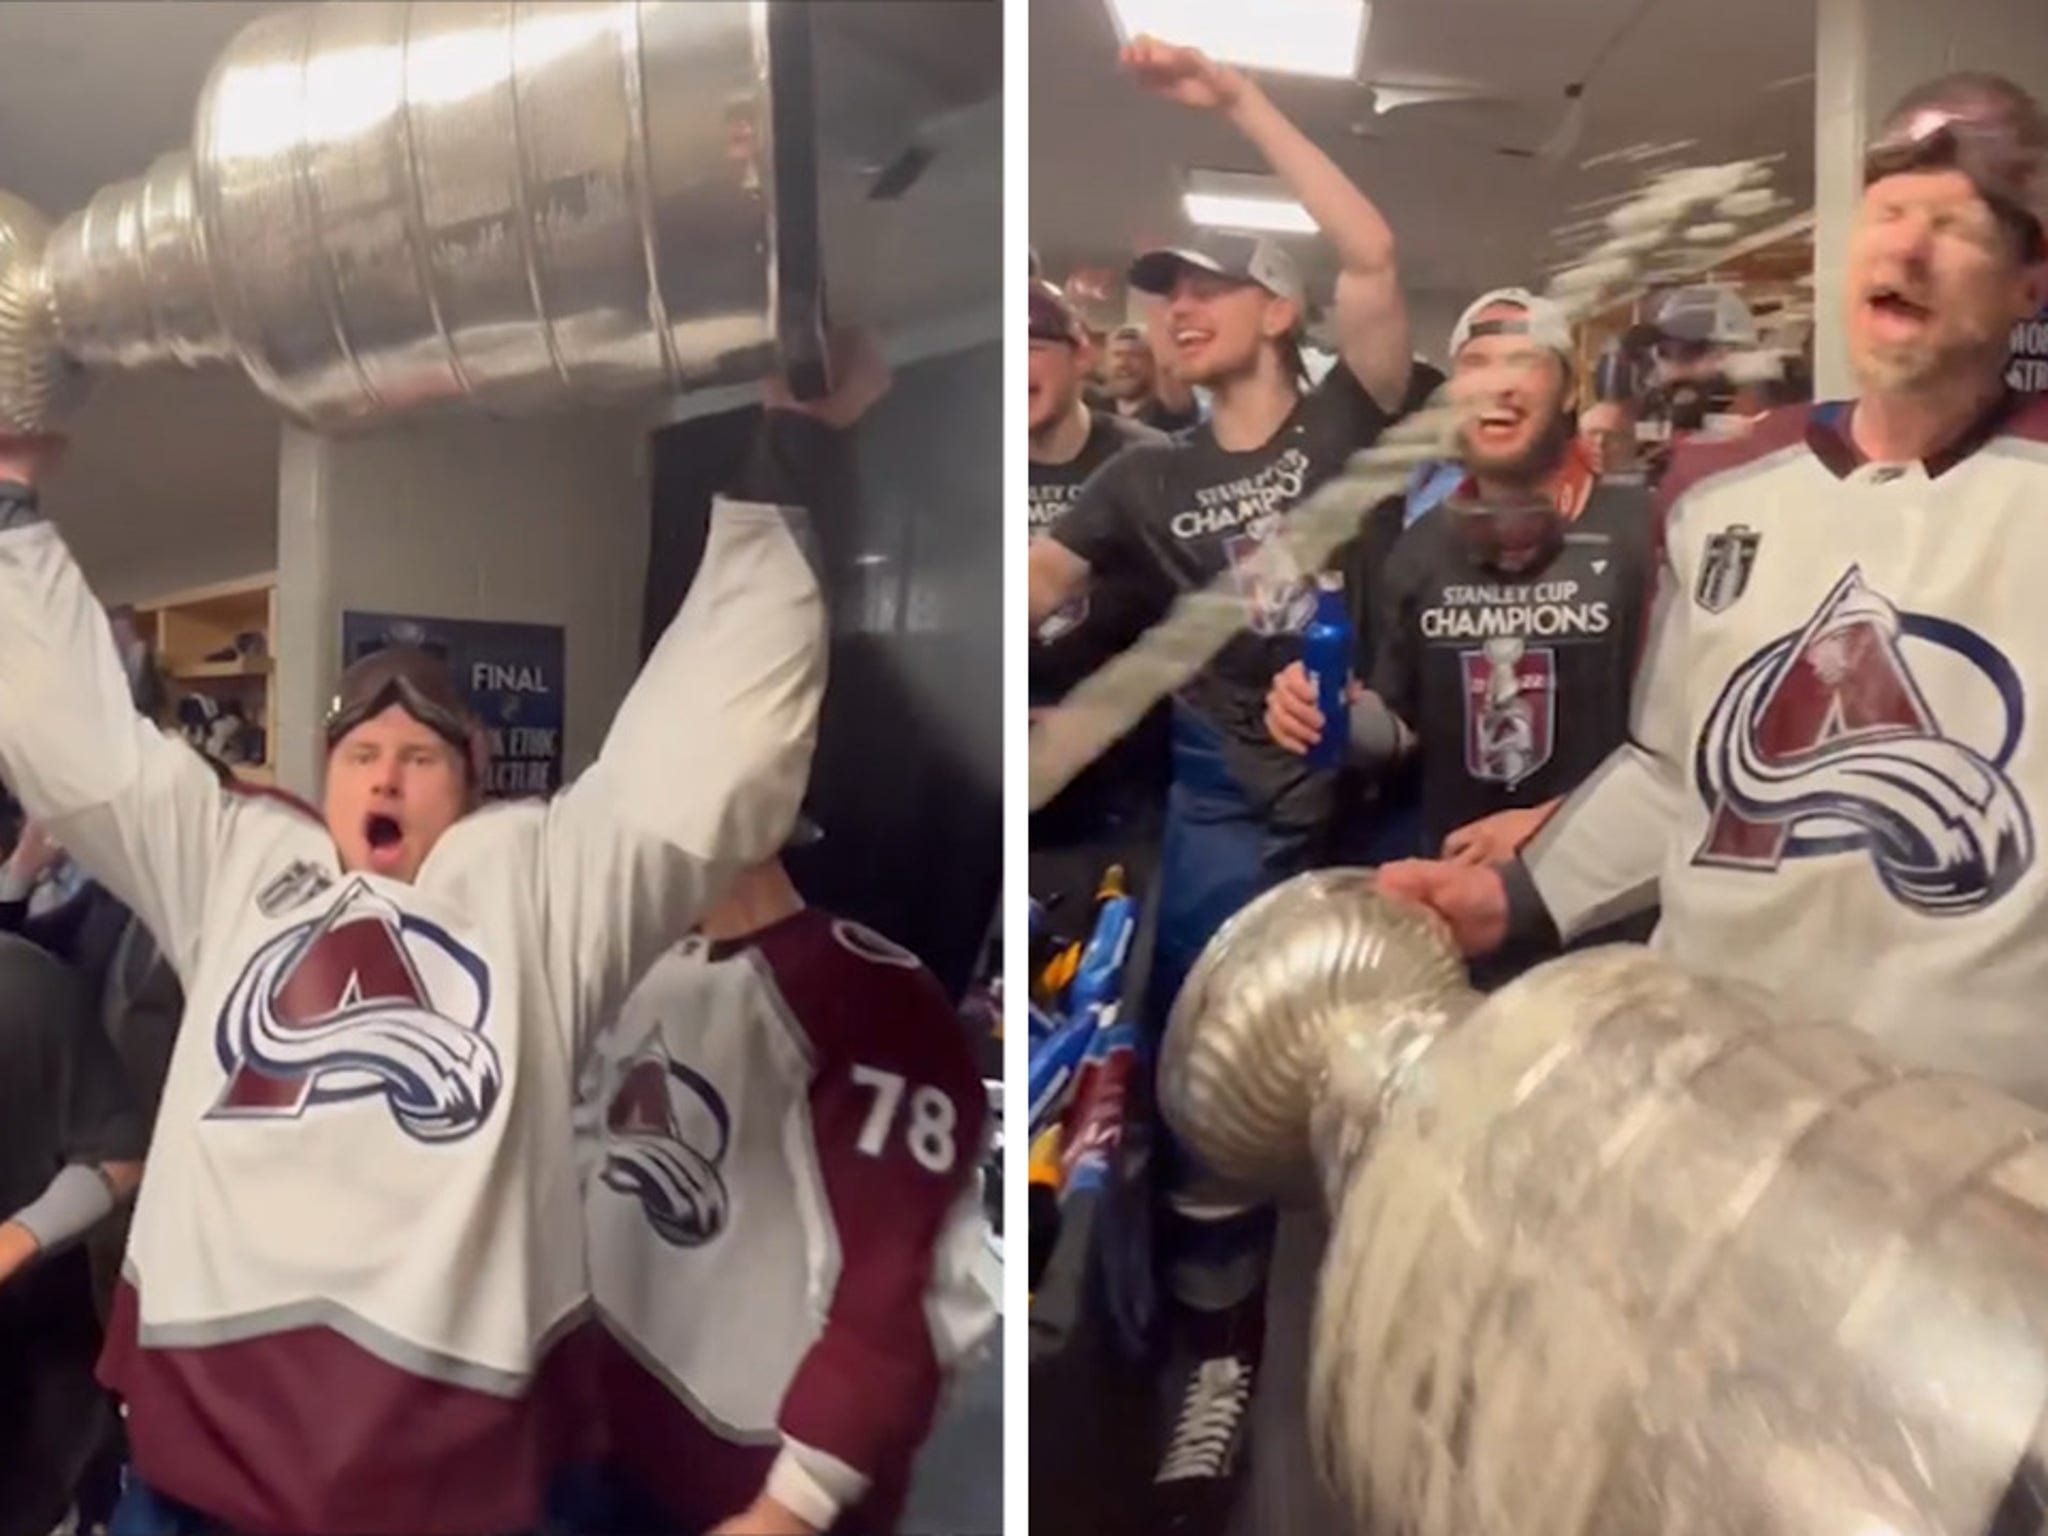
(1871, 52)
(171, 482)
(541, 522)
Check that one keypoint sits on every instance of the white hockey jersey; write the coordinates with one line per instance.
(346, 1267)
(779, 1142)
(1838, 767)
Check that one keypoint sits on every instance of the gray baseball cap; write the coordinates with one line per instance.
(1243, 258)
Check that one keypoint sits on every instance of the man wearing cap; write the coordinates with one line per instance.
(1836, 777)
(1242, 812)
(1068, 443)
(1509, 617)
(777, 1144)
(341, 1284)
(1140, 388)
(1698, 327)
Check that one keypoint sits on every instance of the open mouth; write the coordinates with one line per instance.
(385, 837)
(1895, 308)
(1189, 339)
(1497, 425)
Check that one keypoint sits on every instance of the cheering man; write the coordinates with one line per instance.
(343, 1276)
(1835, 777)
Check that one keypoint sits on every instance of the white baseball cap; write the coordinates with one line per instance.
(1543, 321)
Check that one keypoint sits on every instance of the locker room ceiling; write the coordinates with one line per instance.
(1108, 162)
(93, 92)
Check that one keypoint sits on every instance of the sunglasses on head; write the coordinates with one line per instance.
(2004, 170)
(440, 716)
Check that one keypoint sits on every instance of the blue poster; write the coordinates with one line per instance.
(2028, 371)
(512, 675)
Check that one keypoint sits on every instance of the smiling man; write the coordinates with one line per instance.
(1509, 617)
(1837, 773)
(344, 1277)
(1242, 812)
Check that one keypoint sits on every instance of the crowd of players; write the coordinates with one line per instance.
(1755, 678)
(502, 1167)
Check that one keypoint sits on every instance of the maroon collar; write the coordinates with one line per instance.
(1828, 435)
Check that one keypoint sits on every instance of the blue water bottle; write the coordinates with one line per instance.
(1326, 654)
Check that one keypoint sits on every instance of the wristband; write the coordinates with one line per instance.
(76, 1200)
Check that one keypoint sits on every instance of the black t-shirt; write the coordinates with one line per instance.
(1116, 605)
(1516, 687)
(63, 1099)
(1156, 415)
(1119, 601)
(1194, 510)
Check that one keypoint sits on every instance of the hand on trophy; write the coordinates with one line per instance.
(29, 458)
(1471, 898)
(860, 376)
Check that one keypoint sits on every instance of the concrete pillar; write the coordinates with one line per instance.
(542, 522)
(1871, 52)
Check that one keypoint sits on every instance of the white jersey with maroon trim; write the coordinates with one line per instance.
(345, 1270)
(779, 1141)
(1838, 767)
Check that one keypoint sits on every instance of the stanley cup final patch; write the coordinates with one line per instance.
(1725, 566)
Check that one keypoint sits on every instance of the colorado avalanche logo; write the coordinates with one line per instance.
(665, 1135)
(1279, 599)
(364, 1002)
(1510, 709)
(1824, 743)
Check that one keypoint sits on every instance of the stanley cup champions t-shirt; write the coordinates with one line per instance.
(1517, 687)
(1194, 511)
(1117, 603)
(1113, 608)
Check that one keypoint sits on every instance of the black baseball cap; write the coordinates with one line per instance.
(1241, 258)
(1052, 317)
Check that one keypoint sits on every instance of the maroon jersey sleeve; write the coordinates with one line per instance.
(897, 1115)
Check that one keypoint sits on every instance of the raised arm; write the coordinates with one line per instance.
(705, 764)
(1371, 312)
(139, 811)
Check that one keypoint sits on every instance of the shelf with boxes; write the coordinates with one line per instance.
(213, 650)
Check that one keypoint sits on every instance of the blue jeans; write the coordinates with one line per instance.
(1217, 855)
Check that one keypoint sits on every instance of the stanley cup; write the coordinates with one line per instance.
(509, 206)
(1617, 1250)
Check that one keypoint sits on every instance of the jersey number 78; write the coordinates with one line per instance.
(929, 1132)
